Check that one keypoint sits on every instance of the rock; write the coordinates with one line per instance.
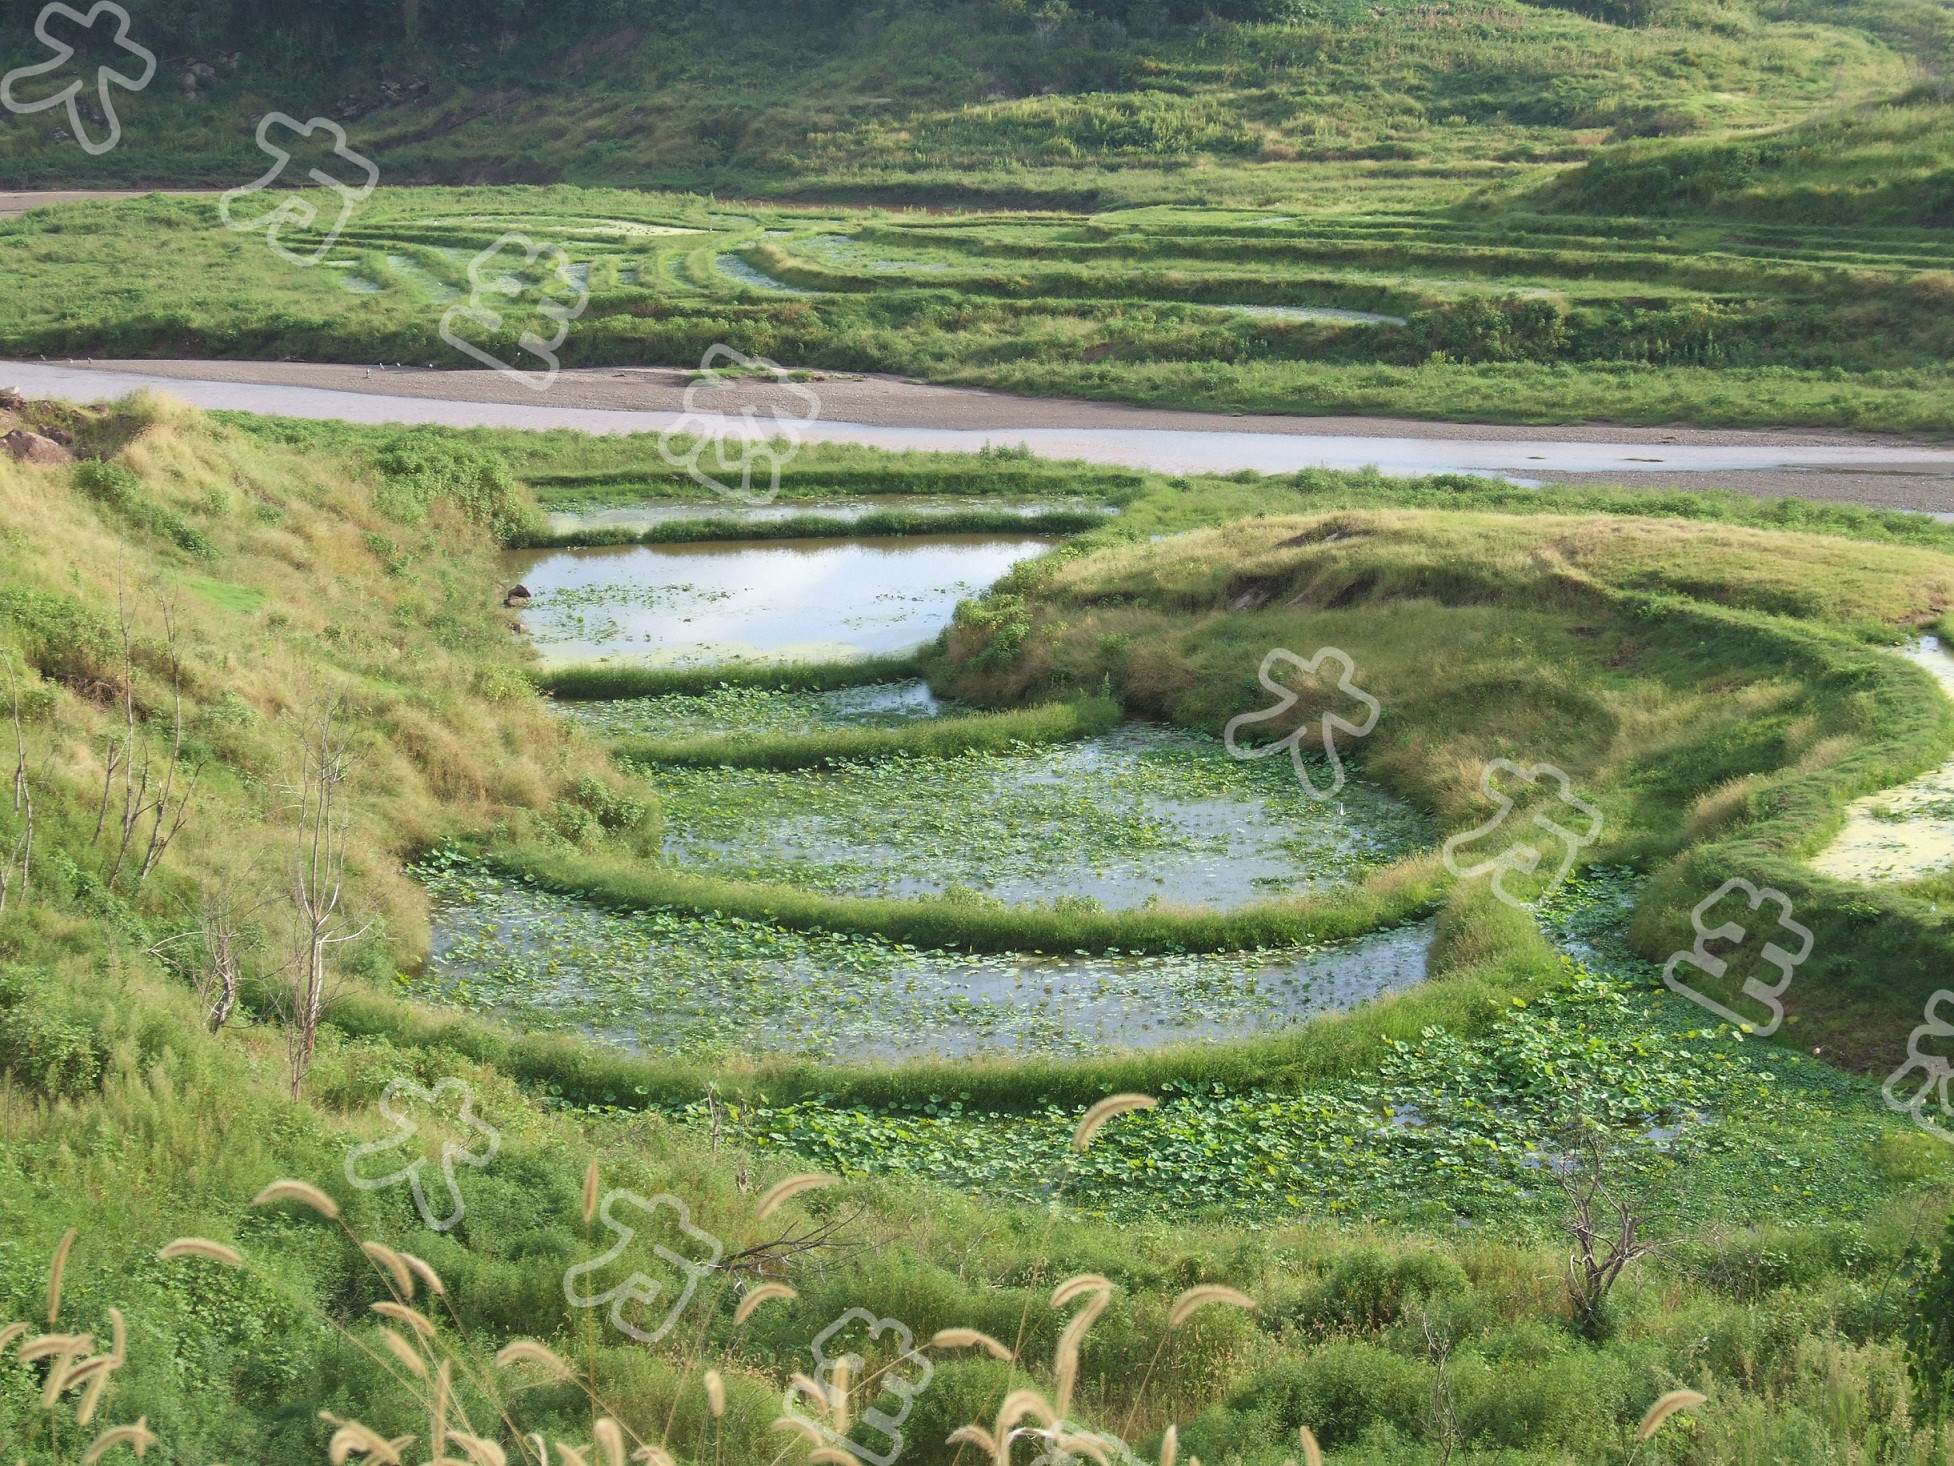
(24, 446)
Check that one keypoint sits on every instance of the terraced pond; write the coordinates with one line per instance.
(733, 600)
(1141, 816)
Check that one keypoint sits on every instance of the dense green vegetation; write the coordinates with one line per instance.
(1636, 210)
(1276, 308)
(1713, 672)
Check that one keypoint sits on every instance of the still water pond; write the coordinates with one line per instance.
(673, 982)
(1143, 815)
(784, 600)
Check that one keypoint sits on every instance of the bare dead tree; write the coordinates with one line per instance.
(225, 908)
(1444, 1415)
(318, 878)
(128, 754)
(1605, 1226)
(166, 826)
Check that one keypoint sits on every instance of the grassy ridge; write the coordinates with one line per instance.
(1402, 893)
(924, 738)
(814, 525)
(602, 682)
(1527, 316)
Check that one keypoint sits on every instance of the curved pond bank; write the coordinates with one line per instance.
(1899, 834)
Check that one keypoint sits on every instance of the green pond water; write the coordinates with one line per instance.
(672, 982)
(1143, 815)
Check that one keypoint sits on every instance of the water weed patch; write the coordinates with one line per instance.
(702, 986)
(1140, 816)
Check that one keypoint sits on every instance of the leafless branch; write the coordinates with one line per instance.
(1605, 1226)
(317, 885)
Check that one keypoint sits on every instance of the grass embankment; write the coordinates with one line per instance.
(1400, 894)
(814, 526)
(599, 682)
(1101, 105)
(923, 738)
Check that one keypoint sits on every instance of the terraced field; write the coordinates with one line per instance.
(1435, 312)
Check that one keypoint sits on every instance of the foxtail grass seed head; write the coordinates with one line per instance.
(1078, 1287)
(91, 1395)
(395, 1265)
(1312, 1452)
(844, 1378)
(801, 1384)
(715, 1393)
(798, 1427)
(969, 1339)
(528, 1351)
(138, 1438)
(570, 1454)
(659, 1456)
(765, 1293)
(350, 1438)
(11, 1332)
(1110, 1108)
(1195, 1299)
(610, 1441)
(302, 1192)
(201, 1247)
(1665, 1407)
(59, 1267)
(1170, 1446)
(118, 1337)
(405, 1352)
(975, 1435)
(590, 1191)
(1071, 1341)
(428, 1276)
(480, 1452)
(414, 1320)
(782, 1192)
(830, 1456)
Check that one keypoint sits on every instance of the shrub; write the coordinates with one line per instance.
(1933, 1323)
(1340, 1393)
(117, 489)
(40, 1046)
(423, 470)
(1368, 1288)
